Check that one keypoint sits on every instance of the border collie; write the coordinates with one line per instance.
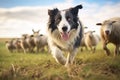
(64, 33)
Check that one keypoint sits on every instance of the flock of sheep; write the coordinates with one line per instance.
(36, 42)
(27, 43)
(110, 33)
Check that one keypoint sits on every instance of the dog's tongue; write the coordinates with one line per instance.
(65, 36)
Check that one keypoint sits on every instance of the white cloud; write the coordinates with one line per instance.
(18, 20)
(21, 20)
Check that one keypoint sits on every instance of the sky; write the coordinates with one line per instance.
(19, 17)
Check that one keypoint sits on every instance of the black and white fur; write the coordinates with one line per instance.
(64, 33)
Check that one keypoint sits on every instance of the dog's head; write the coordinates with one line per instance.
(64, 21)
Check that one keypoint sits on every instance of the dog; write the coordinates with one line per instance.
(65, 32)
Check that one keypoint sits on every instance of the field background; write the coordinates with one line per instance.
(42, 66)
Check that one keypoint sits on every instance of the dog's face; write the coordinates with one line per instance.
(64, 21)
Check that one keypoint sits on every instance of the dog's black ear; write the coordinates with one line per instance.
(75, 9)
(52, 12)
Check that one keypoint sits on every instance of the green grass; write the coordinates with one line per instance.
(42, 66)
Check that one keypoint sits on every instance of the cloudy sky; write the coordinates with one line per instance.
(21, 16)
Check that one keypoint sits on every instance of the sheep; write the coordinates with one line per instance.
(110, 33)
(83, 41)
(90, 40)
(44, 42)
(10, 46)
(30, 42)
(25, 43)
(40, 41)
(36, 39)
(13, 45)
(83, 44)
(16, 44)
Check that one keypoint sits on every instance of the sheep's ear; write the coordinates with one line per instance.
(33, 30)
(52, 12)
(41, 34)
(75, 9)
(6, 41)
(113, 22)
(85, 33)
(31, 35)
(85, 27)
(99, 24)
(38, 31)
(93, 31)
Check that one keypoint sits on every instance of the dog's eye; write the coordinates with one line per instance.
(58, 19)
(68, 19)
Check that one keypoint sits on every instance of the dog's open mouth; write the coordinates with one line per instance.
(65, 36)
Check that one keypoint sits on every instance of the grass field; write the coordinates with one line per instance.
(42, 66)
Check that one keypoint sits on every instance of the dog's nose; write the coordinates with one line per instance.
(64, 28)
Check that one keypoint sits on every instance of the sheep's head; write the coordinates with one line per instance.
(89, 34)
(106, 26)
(24, 36)
(35, 33)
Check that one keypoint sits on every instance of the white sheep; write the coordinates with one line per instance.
(9, 45)
(110, 33)
(40, 41)
(90, 40)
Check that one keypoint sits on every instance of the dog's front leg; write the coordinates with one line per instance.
(57, 54)
(70, 58)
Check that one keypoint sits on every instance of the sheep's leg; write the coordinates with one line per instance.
(70, 58)
(94, 49)
(32, 49)
(24, 49)
(29, 50)
(116, 50)
(81, 49)
(42, 49)
(91, 49)
(11, 50)
(106, 49)
(86, 48)
(37, 49)
(57, 54)
(17, 49)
